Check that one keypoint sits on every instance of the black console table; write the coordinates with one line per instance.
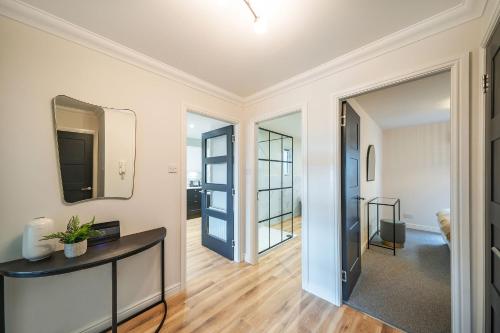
(97, 255)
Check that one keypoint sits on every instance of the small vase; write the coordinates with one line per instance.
(75, 250)
(33, 247)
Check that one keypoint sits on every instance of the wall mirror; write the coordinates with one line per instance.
(370, 163)
(96, 150)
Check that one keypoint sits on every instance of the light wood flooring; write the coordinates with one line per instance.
(223, 296)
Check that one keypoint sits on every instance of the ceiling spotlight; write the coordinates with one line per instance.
(260, 25)
(191, 125)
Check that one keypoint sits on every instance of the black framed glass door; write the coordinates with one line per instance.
(275, 189)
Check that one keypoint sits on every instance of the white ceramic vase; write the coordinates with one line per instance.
(75, 250)
(34, 248)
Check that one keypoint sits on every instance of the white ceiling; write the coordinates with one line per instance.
(418, 102)
(197, 124)
(289, 125)
(214, 39)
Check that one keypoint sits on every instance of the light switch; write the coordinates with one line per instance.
(172, 169)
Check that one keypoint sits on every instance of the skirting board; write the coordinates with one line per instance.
(102, 324)
(423, 227)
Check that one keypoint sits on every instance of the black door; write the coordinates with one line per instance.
(351, 239)
(493, 186)
(217, 219)
(76, 161)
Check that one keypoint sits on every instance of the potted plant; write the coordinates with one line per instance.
(75, 237)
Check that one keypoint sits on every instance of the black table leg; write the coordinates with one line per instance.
(114, 318)
(2, 305)
(162, 270)
(162, 264)
(394, 229)
(368, 217)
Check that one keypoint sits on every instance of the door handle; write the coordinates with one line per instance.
(495, 251)
(86, 188)
(360, 198)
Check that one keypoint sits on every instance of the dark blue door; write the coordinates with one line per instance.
(492, 136)
(351, 231)
(217, 216)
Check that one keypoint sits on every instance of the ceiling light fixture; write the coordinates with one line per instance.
(260, 25)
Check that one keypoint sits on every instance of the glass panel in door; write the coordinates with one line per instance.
(275, 188)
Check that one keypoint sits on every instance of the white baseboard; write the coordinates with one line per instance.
(423, 227)
(363, 247)
(129, 310)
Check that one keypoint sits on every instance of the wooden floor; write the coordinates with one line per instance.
(223, 296)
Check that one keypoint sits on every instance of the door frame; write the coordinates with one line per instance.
(251, 235)
(460, 201)
(238, 148)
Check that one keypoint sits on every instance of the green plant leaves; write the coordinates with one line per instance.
(75, 232)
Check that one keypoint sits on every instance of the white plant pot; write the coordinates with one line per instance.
(75, 250)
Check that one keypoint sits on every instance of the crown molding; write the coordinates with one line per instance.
(42, 20)
(493, 16)
(462, 13)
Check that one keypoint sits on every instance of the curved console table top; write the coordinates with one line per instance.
(96, 255)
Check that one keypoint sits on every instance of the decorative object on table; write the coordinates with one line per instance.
(387, 229)
(443, 217)
(33, 249)
(376, 238)
(109, 231)
(75, 237)
(370, 163)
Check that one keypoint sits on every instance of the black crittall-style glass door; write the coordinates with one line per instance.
(275, 188)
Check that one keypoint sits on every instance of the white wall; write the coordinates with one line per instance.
(36, 67)
(320, 272)
(297, 176)
(193, 163)
(119, 150)
(370, 134)
(417, 170)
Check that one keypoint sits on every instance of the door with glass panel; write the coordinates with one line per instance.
(275, 188)
(217, 219)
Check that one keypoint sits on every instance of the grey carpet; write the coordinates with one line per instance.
(411, 290)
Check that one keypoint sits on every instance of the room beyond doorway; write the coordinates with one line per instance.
(279, 179)
(209, 172)
(403, 205)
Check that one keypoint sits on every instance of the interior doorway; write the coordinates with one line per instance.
(210, 179)
(396, 203)
(279, 180)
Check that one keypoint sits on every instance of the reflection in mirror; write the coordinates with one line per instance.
(370, 163)
(96, 150)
